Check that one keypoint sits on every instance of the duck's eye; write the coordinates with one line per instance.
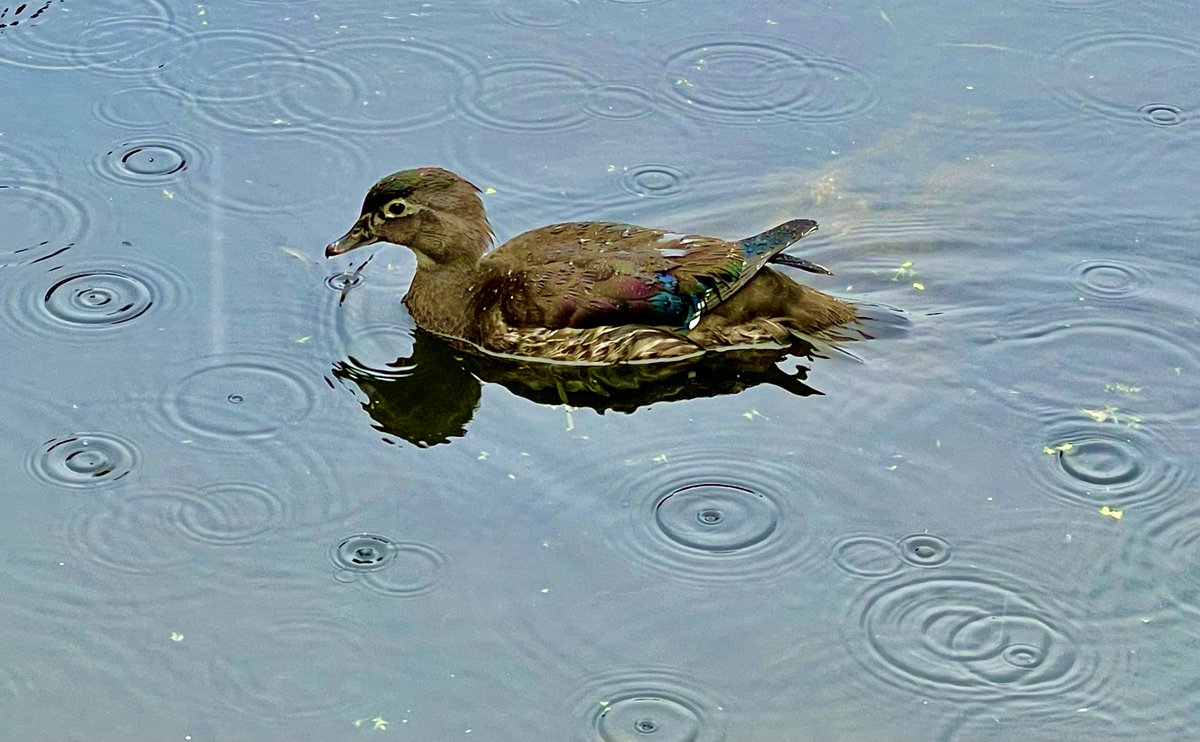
(395, 208)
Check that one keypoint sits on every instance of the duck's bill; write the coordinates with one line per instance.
(801, 263)
(356, 237)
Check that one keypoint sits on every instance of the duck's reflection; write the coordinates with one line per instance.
(430, 396)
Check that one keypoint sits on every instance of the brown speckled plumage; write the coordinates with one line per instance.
(593, 292)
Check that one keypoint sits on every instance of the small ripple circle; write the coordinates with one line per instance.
(1107, 280)
(1113, 462)
(343, 281)
(653, 180)
(141, 107)
(755, 81)
(379, 84)
(122, 38)
(1163, 114)
(976, 635)
(924, 550)
(540, 14)
(98, 299)
(647, 704)
(40, 222)
(364, 552)
(148, 162)
(630, 719)
(715, 517)
(247, 396)
(531, 96)
(706, 516)
(1125, 366)
(618, 101)
(231, 513)
(84, 460)
(89, 302)
(867, 556)
(1130, 76)
(398, 569)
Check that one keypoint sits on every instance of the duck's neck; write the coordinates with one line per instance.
(439, 298)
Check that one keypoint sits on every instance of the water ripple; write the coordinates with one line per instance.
(1130, 76)
(237, 396)
(653, 180)
(1097, 459)
(382, 84)
(1134, 366)
(924, 550)
(260, 667)
(275, 91)
(152, 161)
(536, 13)
(134, 534)
(250, 184)
(84, 460)
(400, 569)
(122, 38)
(1170, 555)
(1108, 280)
(646, 703)
(137, 107)
(40, 222)
(977, 636)
(874, 557)
(231, 513)
(867, 556)
(85, 302)
(619, 101)
(1078, 4)
(704, 516)
(531, 96)
(765, 81)
(207, 53)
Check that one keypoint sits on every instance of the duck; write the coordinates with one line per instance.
(588, 292)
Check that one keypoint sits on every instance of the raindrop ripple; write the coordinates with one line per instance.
(271, 398)
(84, 460)
(646, 704)
(1130, 76)
(755, 81)
(708, 517)
(976, 636)
(398, 569)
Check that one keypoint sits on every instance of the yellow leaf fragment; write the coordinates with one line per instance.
(1051, 450)
(489, 191)
(1097, 415)
(176, 636)
(1112, 512)
(918, 286)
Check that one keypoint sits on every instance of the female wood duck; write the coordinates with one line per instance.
(588, 292)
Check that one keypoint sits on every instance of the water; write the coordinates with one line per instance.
(246, 499)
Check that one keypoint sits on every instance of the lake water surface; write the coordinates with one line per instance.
(244, 499)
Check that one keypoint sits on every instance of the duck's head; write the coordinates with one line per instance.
(431, 211)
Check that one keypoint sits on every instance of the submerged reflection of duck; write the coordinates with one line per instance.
(430, 396)
(589, 292)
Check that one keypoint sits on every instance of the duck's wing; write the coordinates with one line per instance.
(589, 274)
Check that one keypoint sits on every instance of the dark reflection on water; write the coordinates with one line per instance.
(982, 524)
(431, 396)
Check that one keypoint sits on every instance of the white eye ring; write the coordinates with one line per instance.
(396, 207)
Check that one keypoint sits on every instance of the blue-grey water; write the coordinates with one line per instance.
(244, 500)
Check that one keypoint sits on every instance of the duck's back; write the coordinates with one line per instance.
(589, 274)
